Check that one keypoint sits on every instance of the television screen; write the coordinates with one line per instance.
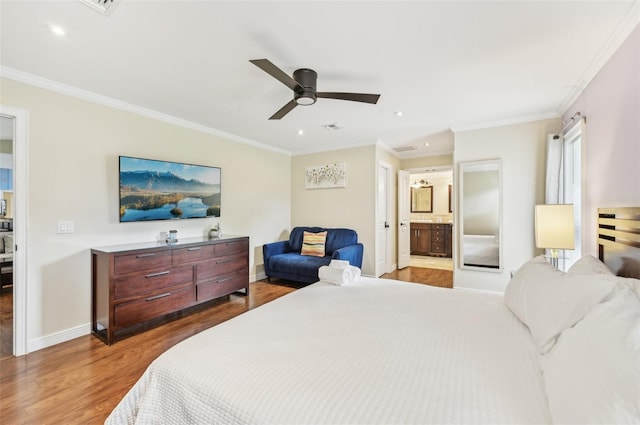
(164, 190)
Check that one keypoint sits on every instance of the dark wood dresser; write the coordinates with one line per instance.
(134, 284)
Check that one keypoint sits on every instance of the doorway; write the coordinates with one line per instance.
(19, 120)
(6, 236)
(431, 218)
(383, 214)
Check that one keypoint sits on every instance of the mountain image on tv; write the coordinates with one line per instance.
(161, 190)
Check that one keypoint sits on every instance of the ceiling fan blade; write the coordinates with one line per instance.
(356, 97)
(277, 73)
(284, 110)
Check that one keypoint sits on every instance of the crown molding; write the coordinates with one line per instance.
(65, 89)
(501, 123)
(622, 31)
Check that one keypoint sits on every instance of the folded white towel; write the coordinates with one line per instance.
(340, 264)
(339, 276)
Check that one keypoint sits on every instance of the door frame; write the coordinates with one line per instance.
(20, 219)
(403, 246)
(389, 219)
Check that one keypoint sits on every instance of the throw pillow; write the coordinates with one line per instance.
(589, 265)
(313, 243)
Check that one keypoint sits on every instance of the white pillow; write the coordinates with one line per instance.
(592, 376)
(632, 283)
(548, 301)
(589, 265)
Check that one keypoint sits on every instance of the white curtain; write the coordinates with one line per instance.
(555, 183)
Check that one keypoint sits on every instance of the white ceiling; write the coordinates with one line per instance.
(444, 64)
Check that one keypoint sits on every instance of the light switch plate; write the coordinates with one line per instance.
(65, 226)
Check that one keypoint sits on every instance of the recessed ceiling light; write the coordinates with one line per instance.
(398, 113)
(427, 144)
(57, 30)
(334, 126)
(300, 132)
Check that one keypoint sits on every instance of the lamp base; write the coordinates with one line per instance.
(553, 257)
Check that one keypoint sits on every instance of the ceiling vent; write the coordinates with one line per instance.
(334, 126)
(405, 148)
(101, 6)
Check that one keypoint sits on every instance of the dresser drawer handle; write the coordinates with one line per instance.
(158, 274)
(225, 261)
(145, 255)
(197, 248)
(223, 280)
(158, 296)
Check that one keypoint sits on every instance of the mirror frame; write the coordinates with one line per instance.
(414, 201)
(474, 166)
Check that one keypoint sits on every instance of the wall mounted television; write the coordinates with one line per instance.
(165, 190)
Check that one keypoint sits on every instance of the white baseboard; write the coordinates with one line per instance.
(256, 277)
(81, 330)
(58, 337)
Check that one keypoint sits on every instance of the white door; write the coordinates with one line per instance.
(404, 237)
(20, 119)
(382, 223)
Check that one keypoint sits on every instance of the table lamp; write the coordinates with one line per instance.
(554, 229)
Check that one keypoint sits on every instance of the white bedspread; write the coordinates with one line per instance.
(481, 250)
(373, 352)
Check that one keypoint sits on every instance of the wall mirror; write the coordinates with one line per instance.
(422, 199)
(480, 226)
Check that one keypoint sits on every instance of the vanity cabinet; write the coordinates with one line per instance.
(136, 283)
(420, 238)
(431, 239)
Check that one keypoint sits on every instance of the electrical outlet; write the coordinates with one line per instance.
(65, 226)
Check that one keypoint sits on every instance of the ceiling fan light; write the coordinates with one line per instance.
(305, 100)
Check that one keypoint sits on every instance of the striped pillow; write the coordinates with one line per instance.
(313, 243)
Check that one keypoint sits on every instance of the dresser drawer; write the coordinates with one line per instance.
(229, 248)
(152, 281)
(208, 270)
(134, 312)
(124, 264)
(194, 253)
(437, 227)
(222, 286)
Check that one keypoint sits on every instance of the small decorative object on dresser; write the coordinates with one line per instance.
(135, 283)
(215, 231)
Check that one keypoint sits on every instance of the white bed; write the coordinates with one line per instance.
(560, 348)
(373, 352)
(481, 251)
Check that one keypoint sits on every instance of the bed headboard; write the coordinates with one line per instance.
(619, 240)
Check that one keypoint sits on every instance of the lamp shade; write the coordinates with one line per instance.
(554, 226)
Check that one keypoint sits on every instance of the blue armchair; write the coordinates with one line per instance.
(284, 260)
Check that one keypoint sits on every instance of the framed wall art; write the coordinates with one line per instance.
(325, 176)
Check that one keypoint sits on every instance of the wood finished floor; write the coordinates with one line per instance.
(81, 381)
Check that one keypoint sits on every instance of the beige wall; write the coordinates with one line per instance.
(73, 164)
(426, 162)
(350, 207)
(522, 150)
(611, 144)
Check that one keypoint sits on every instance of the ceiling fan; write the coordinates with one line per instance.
(303, 85)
